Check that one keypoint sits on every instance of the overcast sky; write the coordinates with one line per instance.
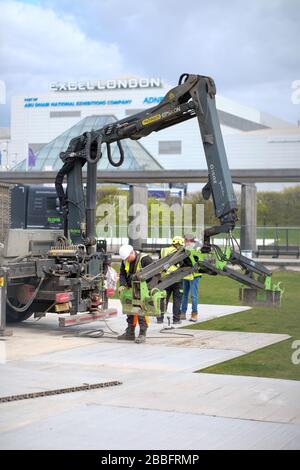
(251, 49)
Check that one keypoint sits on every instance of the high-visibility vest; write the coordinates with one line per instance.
(165, 252)
(138, 264)
(137, 269)
(192, 276)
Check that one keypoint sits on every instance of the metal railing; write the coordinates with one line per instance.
(276, 236)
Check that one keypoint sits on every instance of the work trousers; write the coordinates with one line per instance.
(190, 285)
(176, 291)
(133, 320)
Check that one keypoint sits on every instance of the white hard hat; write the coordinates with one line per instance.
(125, 251)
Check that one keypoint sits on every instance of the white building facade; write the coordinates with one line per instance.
(38, 119)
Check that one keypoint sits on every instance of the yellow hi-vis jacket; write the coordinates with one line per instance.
(138, 264)
(137, 269)
(192, 276)
(165, 252)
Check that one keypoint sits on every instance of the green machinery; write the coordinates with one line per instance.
(193, 98)
(146, 297)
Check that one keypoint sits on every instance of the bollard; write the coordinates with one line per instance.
(3, 290)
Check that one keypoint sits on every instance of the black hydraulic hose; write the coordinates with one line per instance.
(89, 146)
(111, 161)
(183, 78)
(65, 169)
(25, 307)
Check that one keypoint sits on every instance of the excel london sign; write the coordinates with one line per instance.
(107, 84)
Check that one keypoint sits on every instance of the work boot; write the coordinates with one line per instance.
(194, 316)
(128, 335)
(141, 337)
(183, 316)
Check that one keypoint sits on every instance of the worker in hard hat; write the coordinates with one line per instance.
(190, 283)
(132, 262)
(175, 289)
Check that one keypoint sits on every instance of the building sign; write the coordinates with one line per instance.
(34, 103)
(107, 85)
(153, 99)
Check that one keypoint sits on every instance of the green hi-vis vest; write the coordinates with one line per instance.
(138, 264)
(192, 276)
(165, 252)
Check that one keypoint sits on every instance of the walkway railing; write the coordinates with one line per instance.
(265, 236)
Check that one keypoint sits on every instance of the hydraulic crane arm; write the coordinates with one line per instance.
(147, 294)
(194, 97)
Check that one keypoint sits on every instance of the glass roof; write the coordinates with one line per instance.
(136, 156)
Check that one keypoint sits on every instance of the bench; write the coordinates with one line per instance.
(153, 247)
(277, 250)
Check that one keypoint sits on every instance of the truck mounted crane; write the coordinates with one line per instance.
(193, 97)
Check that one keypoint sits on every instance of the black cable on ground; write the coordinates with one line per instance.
(104, 334)
(107, 325)
(166, 330)
(100, 333)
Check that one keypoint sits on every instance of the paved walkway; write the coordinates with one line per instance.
(161, 403)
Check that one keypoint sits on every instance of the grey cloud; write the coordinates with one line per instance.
(250, 48)
(245, 46)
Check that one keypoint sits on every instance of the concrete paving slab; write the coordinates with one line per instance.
(225, 340)
(206, 312)
(32, 338)
(130, 356)
(18, 378)
(27, 336)
(159, 395)
(210, 394)
(106, 427)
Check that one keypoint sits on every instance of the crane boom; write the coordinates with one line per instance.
(193, 97)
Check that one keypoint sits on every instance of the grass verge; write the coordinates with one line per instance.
(273, 361)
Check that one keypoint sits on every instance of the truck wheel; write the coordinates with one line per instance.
(15, 317)
(19, 296)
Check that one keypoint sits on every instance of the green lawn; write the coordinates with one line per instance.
(273, 361)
